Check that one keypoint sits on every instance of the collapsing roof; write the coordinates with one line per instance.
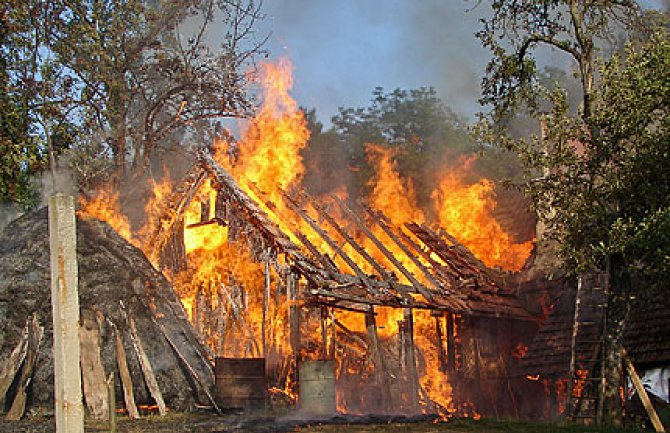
(452, 278)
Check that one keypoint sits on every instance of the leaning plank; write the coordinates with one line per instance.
(92, 371)
(126, 379)
(147, 371)
(653, 416)
(35, 334)
(10, 366)
(190, 369)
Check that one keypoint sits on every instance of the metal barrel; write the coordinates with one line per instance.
(317, 387)
(240, 383)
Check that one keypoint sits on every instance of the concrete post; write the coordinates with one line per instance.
(65, 309)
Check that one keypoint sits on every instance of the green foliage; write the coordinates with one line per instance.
(114, 81)
(600, 179)
(425, 133)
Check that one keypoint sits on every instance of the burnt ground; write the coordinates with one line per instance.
(208, 423)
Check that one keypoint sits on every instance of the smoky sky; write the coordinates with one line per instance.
(343, 49)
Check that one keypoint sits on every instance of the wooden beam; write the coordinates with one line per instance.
(381, 220)
(644, 397)
(92, 372)
(321, 258)
(380, 246)
(145, 365)
(326, 237)
(383, 273)
(35, 334)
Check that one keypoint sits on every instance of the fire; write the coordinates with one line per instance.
(465, 212)
(390, 194)
(269, 150)
(223, 288)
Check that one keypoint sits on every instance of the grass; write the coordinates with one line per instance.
(468, 426)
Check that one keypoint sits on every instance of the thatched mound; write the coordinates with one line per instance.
(110, 270)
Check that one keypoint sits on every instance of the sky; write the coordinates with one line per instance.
(342, 50)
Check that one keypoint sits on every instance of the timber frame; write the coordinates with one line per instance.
(455, 280)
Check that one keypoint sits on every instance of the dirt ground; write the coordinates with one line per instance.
(209, 423)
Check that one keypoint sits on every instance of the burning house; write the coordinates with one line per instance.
(366, 305)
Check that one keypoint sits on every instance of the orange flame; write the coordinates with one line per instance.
(465, 212)
(105, 206)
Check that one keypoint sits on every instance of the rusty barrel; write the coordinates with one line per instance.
(240, 383)
(317, 387)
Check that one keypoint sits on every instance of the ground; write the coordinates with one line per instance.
(206, 423)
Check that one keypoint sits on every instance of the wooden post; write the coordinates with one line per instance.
(111, 399)
(440, 341)
(648, 406)
(266, 306)
(69, 409)
(451, 344)
(294, 321)
(412, 374)
(380, 364)
(324, 332)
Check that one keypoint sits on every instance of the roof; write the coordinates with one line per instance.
(646, 337)
(445, 276)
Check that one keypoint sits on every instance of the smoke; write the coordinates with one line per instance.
(57, 181)
(343, 50)
(48, 183)
(8, 213)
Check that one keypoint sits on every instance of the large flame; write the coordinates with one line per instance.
(223, 287)
(105, 206)
(465, 211)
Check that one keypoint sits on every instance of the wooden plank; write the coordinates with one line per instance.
(35, 334)
(190, 369)
(10, 366)
(92, 372)
(111, 398)
(145, 365)
(644, 397)
(124, 372)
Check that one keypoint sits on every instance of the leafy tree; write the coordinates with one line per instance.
(143, 71)
(416, 122)
(32, 121)
(598, 176)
